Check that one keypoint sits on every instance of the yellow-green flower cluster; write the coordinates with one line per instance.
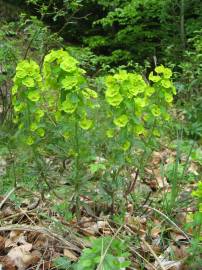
(69, 87)
(61, 88)
(134, 102)
(123, 85)
(163, 82)
(26, 100)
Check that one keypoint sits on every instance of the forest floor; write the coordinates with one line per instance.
(33, 235)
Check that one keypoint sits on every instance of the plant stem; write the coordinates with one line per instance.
(77, 182)
(13, 166)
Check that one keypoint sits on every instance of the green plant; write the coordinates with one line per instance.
(136, 104)
(71, 101)
(53, 109)
(177, 174)
(27, 101)
(189, 84)
(196, 225)
(198, 216)
(59, 101)
(136, 111)
(106, 253)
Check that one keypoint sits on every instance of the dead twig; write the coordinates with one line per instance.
(135, 252)
(132, 184)
(153, 253)
(13, 216)
(7, 197)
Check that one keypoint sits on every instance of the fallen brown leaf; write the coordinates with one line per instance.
(156, 158)
(156, 245)
(2, 243)
(22, 257)
(6, 263)
(15, 238)
(155, 231)
(69, 254)
(170, 265)
(175, 236)
(180, 252)
(42, 241)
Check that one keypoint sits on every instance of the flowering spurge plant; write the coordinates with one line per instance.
(55, 102)
(70, 103)
(137, 109)
(27, 100)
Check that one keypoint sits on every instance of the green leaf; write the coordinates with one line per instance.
(139, 129)
(121, 121)
(29, 82)
(167, 73)
(140, 102)
(88, 93)
(69, 64)
(30, 140)
(69, 82)
(166, 83)
(97, 167)
(156, 110)
(115, 100)
(160, 69)
(33, 126)
(14, 89)
(149, 91)
(85, 124)
(62, 263)
(40, 132)
(33, 96)
(126, 145)
(68, 107)
(154, 78)
(168, 97)
(39, 113)
(110, 133)
(19, 107)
